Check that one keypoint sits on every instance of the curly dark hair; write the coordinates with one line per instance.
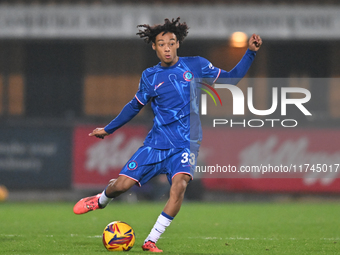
(150, 32)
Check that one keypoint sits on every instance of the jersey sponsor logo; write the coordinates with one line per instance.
(157, 86)
(132, 165)
(188, 76)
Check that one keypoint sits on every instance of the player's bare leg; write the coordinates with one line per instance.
(177, 190)
(99, 201)
(172, 207)
(119, 186)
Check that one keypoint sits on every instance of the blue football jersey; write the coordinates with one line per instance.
(174, 95)
(169, 90)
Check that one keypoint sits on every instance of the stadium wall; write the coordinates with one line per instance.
(67, 69)
(66, 158)
(35, 158)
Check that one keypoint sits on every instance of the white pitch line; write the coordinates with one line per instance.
(10, 235)
(264, 238)
(238, 238)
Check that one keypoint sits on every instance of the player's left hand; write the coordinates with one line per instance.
(255, 42)
(99, 133)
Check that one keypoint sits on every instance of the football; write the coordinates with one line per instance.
(118, 236)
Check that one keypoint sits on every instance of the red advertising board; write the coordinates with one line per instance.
(96, 161)
(307, 160)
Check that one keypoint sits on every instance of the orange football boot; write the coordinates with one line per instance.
(150, 246)
(87, 204)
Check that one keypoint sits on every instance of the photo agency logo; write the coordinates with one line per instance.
(238, 105)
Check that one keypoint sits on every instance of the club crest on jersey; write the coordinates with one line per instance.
(188, 76)
(132, 165)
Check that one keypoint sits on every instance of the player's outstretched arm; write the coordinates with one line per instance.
(240, 70)
(129, 111)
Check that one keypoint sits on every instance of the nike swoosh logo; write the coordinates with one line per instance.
(157, 86)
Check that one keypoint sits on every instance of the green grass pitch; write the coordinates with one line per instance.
(199, 228)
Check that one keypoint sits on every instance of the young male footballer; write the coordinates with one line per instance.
(171, 146)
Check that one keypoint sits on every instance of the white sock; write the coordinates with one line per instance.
(161, 224)
(104, 200)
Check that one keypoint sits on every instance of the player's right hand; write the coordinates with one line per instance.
(255, 42)
(99, 133)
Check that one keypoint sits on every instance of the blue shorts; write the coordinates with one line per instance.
(149, 162)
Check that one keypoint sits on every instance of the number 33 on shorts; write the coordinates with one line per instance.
(185, 158)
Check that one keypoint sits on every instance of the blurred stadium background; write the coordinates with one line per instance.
(67, 67)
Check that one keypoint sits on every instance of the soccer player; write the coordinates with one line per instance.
(171, 147)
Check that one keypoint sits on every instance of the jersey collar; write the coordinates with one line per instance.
(170, 67)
